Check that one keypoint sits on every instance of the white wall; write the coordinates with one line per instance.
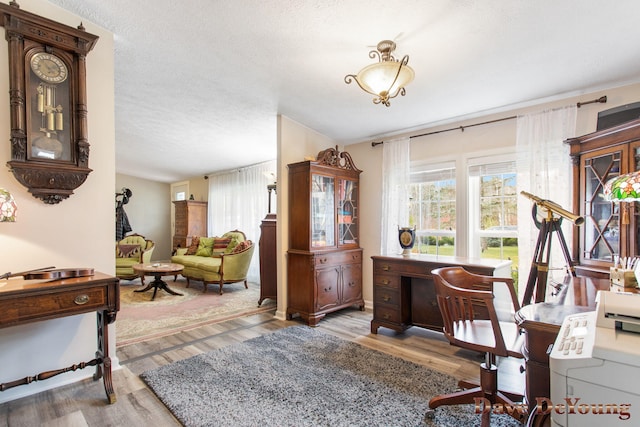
(295, 142)
(77, 232)
(149, 212)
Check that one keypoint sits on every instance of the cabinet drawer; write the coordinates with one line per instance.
(386, 296)
(386, 314)
(53, 305)
(338, 258)
(386, 280)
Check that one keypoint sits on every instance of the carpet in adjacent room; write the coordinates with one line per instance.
(141, 319)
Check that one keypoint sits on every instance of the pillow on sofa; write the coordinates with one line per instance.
(205, 246)
(232, 245)
(193, 247)
(241, 246)
(127, 251)
(220, 244)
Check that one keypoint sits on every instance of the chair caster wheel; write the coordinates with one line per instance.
(430, 414)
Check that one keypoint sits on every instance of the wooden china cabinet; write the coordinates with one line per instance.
(610, 228)
(324, 262)
(190, 222)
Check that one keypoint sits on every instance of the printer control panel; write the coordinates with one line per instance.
(576, 337)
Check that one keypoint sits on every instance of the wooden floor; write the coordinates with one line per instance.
(84, 403)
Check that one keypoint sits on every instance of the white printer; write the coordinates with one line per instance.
(595, 365)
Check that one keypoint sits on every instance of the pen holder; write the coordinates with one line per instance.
(623, 278)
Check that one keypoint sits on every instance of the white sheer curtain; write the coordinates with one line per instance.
(544, 170)
(395, 193)
(238, 199)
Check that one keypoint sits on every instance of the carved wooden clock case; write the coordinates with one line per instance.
(48, 103)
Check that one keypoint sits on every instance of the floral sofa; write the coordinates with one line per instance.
(216, 260)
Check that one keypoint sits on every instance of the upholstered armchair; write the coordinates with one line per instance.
(133, 249)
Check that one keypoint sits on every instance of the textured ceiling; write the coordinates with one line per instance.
(198, 84)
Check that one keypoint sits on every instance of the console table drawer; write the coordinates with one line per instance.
(47, 305)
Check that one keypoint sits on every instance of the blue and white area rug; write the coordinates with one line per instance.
(301, 376)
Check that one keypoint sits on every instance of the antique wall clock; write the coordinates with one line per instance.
(48, 103)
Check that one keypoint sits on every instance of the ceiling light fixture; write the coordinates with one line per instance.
(386, 78)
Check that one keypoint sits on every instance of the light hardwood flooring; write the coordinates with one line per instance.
(84, 403)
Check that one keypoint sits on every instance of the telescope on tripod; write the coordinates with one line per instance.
(548, 225)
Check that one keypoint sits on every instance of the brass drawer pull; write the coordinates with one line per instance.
(386, 298)
(386, 267)
(386, 281)
(81, 299)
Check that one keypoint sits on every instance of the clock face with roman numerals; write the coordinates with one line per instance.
(49, 68)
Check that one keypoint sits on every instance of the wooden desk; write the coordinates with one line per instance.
(25, 301)
(404, 293)
(541, 323)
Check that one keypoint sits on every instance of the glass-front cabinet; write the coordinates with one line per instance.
(334, 203)
(347, 212)
(324, 260)
(610, 229)
(322, 211)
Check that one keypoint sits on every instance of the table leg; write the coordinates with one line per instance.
(158, 283)
(103, 369)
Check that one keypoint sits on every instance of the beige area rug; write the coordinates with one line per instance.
(141, 319)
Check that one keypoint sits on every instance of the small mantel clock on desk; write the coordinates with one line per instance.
(52, 294)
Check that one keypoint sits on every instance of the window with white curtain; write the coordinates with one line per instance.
(485, 220)
(493, 209)
(432, 207)
(238, 200)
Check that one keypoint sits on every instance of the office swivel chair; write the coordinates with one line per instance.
(466, 302)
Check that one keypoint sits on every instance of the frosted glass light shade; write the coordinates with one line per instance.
(380, 78)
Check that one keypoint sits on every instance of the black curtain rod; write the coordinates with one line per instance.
(602, 99)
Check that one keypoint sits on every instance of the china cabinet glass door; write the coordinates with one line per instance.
(347, 212)
(602, 218)
(322, 211)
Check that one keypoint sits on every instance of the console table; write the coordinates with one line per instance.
(404, 292)
(25, 301)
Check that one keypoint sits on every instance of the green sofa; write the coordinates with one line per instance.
(216, 260)
(133, 249)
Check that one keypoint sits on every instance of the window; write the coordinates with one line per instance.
(493, 202)
(432, 208)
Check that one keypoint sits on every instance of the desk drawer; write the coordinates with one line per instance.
(415, 269)
(52, 305)
(387, 296)
(386, 281)
(386, 314)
